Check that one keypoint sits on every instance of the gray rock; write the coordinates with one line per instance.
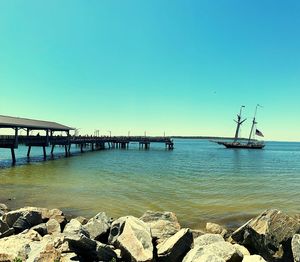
(78, 238)
(41, 229)
(3, 227)
(253, 258)
(26, 220)
(162, 224)
(208, 239)
(215, 229)
(296, 247)
(219, 251)
(175, 247)
(53, 227)
(11, 217)
(269, 235)
(74, 227)
(212, 247)
(32, 217)
(98, 227)
(45, 213)
(133, 237)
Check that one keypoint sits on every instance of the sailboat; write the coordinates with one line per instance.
(251, 143)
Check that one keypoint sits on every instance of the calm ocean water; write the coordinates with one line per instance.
(200, 181)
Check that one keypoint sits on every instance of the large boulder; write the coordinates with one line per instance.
(212, 247)
(296, 247)
(175, 247)
(39, 213)
(27, 220)
(22, 219)
(45, 212)
(162, 224)
(98, 227)
(269, 235)
(133, 237)
(18, 246)
(78, 238)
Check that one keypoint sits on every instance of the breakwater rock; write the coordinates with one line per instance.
(40, 234)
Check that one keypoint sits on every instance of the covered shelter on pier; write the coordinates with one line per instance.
(17, 123)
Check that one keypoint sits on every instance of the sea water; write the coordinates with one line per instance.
(199, 180)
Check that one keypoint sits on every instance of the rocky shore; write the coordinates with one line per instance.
(40, 234)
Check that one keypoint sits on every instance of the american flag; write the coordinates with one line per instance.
(258, 133)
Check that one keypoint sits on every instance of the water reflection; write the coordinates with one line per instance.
(199, 181)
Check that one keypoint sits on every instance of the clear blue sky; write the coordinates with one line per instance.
(183, 67)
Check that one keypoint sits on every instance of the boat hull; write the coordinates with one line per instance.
(242, 146)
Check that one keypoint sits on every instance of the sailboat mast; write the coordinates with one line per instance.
(239, 122)
(253, 123)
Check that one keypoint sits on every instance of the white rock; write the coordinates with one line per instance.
(212, 246)
(133, 237)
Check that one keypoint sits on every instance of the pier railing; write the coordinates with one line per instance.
(95, 142)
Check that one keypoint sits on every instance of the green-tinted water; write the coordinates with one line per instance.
(199, 181)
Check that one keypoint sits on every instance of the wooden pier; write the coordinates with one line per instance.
(50, 139)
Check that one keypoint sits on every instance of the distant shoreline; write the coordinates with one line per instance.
(206, 137)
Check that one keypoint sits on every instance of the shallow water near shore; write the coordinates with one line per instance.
(200, 181)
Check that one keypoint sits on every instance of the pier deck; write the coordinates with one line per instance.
(50, 139)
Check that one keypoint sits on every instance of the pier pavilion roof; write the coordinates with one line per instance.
(13, 122)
